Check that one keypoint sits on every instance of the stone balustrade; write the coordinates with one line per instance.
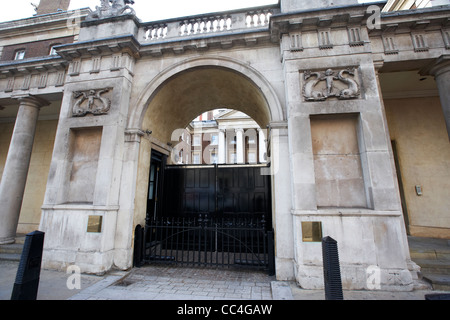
(208, 24)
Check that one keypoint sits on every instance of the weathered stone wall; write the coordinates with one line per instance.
(417, 125)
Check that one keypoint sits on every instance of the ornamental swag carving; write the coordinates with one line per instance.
(92, 102)
(320, 86)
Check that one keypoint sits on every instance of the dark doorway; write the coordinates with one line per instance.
(218, 191)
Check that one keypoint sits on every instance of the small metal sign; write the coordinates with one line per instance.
(311, 231)
(95, 224)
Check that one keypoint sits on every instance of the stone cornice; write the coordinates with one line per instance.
(438, 66)
(320, 18)
(413, 20)
(221, 41)
(99, 47)
(97, 22)
(358, 15)
(33, 65)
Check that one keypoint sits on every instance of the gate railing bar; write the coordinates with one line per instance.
(207, 241)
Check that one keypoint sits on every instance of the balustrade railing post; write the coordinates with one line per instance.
(205, 24)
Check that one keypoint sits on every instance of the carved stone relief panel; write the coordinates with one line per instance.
(94, 101)
(322, 85)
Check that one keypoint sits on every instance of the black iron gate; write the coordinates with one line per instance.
(212, 216)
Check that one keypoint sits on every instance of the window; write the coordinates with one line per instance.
(214, 157)
(53, 50)
(20, 54)
(233, 157)
(197, 141)
(214, 139)
(252, 157)
(196, 158)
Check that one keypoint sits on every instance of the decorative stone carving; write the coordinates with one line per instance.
(92, 102)
(320, 86)
(111, 8)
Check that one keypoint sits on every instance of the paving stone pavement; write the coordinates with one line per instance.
(177, 283)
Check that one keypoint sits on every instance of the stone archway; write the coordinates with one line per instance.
(181, 92)
(254, 82)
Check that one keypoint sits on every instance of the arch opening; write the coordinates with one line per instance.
(189, 93)
(220, 136)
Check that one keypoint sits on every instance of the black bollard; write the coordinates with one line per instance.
(331, 270)
(27, 278)
(138, 257)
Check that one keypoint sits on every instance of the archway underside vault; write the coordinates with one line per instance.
(192, 92)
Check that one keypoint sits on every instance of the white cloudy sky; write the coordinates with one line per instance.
(147, 10)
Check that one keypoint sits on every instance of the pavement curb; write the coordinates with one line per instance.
(281, 290)
(101, 285)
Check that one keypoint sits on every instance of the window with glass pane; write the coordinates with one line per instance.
(20, 54)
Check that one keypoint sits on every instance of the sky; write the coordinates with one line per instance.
(147, 10)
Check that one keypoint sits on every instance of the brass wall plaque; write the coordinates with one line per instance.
(312, 231)
(95, 224)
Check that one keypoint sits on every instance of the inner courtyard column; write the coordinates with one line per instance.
(15, 173)
(222, 152)
(441, 72)
(240, 145)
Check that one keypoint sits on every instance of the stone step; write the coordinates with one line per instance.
(20, 238)
(431, 266)
(12, 252)
(438, 254)
(10, 256)
(11, 248)
(429, 254)
(429, 248)
(439, 282)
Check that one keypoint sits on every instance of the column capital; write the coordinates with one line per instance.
(32, 101)
(378, 64)
(134, 135)
(239, 130)
(437, 67)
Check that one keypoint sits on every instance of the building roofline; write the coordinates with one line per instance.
(228, 12)
(42, 19)
(359, 5)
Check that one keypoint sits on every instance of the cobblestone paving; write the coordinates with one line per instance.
(177, 283)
